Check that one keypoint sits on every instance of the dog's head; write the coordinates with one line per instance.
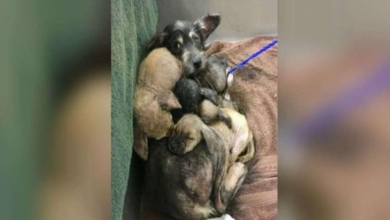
(186, 40)
(187, 133)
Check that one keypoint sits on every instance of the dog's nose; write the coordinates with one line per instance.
(197, 63)
(175, 146)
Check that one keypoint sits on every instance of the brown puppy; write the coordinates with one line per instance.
(197, 185)
(153, 100)
(189, 132)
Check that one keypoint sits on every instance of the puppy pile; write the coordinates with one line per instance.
(195, 142)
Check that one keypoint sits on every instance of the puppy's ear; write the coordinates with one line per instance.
(207, 134)
(212, 139)
(168, 101)
(207, 24)
(157, 41)
(141, 144)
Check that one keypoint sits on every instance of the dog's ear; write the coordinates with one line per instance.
(212, 139)
(157, 41)
(207, 24)
(141, 143)
(168, 101)
(207, 134)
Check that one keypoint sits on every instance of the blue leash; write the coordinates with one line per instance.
(262, 50)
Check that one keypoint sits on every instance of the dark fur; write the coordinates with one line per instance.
(190, 94)
(195, 186)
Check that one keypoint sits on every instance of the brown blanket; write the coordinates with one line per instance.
(255, 91)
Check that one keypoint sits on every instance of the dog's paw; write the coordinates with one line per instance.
(208, 210)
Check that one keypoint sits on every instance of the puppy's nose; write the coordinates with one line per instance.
(197, 63)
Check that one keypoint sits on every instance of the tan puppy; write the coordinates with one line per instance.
(153, 99)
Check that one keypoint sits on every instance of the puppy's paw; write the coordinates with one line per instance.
(207, 211)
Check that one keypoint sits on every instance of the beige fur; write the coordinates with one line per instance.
(239, 137)
(153, 99)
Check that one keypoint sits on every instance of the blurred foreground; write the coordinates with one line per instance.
(55, 110)
(334, 104)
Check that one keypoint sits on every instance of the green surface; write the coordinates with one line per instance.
(133, 24)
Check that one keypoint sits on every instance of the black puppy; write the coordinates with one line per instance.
(186, 40)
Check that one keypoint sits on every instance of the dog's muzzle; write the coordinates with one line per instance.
(193, 63)
(176, 145)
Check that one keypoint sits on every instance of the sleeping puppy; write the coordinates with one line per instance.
(196, 185)
(188, 133)
(153, 99)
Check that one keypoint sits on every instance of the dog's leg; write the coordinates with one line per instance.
(210, 95)
(232, 182)
(250, 151)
